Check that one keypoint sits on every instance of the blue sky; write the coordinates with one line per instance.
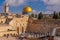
(46, 6)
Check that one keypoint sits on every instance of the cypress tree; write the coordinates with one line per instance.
(55, 15)
(32, 15)
(40, 15)
(59, 15)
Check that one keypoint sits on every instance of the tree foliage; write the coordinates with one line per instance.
(59, 15)
(32, 15)
(55, 15)
(40, 15)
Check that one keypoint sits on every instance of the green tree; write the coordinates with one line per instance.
(32, 15)
(40, 15)
(55, 15)
(59, 15)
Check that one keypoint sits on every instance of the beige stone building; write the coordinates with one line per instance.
(7, 29)
(22, 23)
(14, 23)
(2, 19)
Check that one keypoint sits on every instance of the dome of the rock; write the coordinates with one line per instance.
(27, 9)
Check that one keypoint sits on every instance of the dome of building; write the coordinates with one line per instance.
(27, 9)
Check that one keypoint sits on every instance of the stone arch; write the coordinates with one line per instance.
(11, 34)
(14, 34)
(7, 35)
(1, 21)
(4, 35)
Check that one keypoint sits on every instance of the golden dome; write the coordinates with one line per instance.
(27, 9)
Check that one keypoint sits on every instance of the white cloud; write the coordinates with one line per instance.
(47, 12)
(36, 12)
(53, 8)
(52, 5)
(15, 2)
(52, 2)
(18, 2)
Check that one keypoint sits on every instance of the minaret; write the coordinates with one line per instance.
(6, 8)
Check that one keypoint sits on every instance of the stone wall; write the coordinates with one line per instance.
(43, 26)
